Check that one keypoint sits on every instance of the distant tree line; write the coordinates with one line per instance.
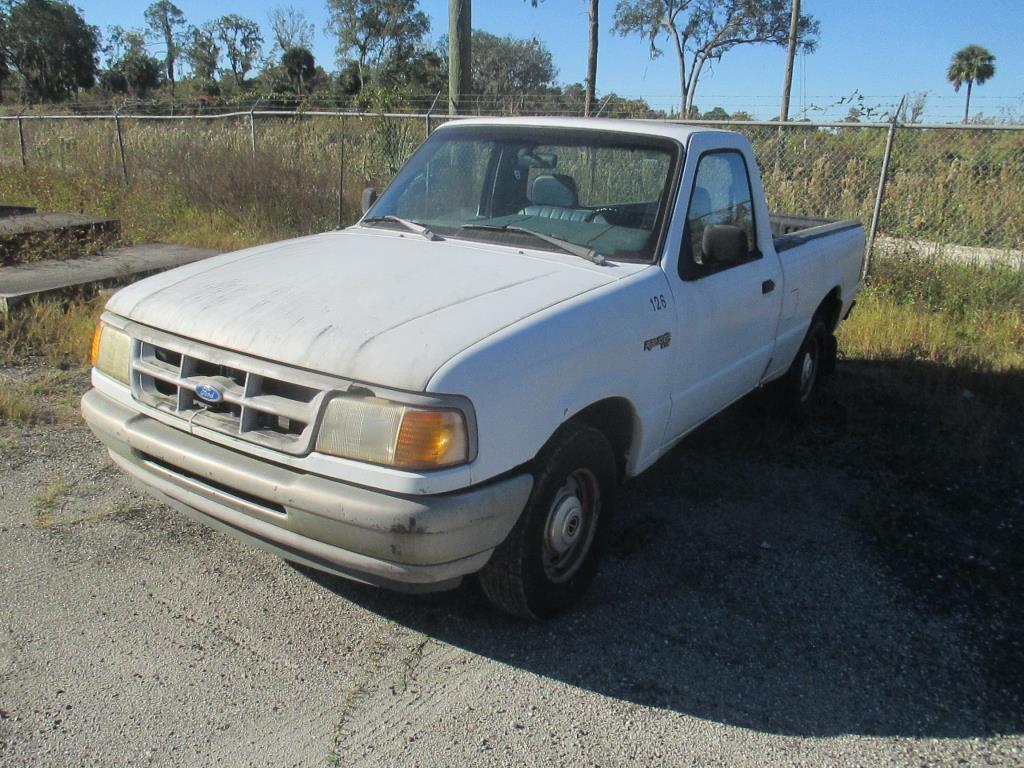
(385, 54)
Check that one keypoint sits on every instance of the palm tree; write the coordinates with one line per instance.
(972, 64)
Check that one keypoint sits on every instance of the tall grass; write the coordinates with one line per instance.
(198, 181)
(56, 331)
(949, 338)
(962, 317)
(53, 332)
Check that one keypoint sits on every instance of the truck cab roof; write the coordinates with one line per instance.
(662, 128)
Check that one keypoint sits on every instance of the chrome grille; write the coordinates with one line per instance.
(278, 411)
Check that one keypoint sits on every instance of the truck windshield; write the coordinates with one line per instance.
(602, 190)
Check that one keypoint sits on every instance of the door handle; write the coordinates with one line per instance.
(767, 286)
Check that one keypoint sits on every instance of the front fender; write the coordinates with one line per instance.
(530, 378)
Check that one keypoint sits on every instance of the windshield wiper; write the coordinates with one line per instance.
(566, 245)
(412, 226)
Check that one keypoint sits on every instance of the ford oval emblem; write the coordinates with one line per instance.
(209, 393)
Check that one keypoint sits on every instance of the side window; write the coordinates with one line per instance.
(721, 195)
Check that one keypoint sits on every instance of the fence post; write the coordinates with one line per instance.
(341, 176)
(120, 144)
(882, 178)
(431, 109)
(252, 125)
(21, 139)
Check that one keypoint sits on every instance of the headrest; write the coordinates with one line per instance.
(554, 190)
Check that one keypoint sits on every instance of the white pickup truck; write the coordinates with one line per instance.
(532, 311)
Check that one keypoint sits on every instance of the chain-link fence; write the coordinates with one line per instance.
(958, 189)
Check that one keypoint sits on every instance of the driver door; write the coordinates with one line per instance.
(727, 309)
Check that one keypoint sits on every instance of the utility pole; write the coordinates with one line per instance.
(794, 20)
(460, 31)
(588, 101)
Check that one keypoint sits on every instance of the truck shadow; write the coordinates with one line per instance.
(750, 582)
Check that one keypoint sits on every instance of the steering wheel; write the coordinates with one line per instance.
(605, 211)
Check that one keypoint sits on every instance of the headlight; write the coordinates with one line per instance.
(385, 432)
(112, 352)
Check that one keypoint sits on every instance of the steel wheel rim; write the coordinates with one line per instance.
(809, 370)
(570, 525)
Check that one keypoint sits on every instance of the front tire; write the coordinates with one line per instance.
(551, 555)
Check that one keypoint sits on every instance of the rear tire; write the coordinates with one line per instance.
(797, 390)
(551, 555)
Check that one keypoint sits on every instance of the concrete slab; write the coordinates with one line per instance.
(11, 209)
(24, 281)
(45, 223)
(65, 231)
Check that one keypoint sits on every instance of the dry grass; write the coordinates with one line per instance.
(881, 329)
(45, 344)
(21, 402)
(41, 397)
(57, 331)
(199, 183)
(46, 500)
(951, 338)
(966, 320)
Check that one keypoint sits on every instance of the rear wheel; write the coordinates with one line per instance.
(551, 555)
(798, 388)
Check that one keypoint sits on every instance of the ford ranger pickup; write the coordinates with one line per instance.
(534, 310)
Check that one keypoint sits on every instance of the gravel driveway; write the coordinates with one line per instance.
(740, 619)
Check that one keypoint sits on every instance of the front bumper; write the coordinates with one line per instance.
(412, 543)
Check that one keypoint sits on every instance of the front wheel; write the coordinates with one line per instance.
(551, 555)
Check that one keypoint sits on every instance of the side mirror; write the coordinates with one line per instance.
(369, 198)
(723, 244)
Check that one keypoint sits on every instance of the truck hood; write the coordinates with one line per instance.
(380, 307)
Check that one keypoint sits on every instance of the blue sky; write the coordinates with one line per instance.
(882, 48)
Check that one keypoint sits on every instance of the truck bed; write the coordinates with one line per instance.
(789, 231)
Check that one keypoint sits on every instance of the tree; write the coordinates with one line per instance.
(715, 114)
(113, 80)
(242, 40)
(49, 44)
(507, 65)
(300, 66)
(131, 68)
(166, 23)
(617, 106)
(348, 81)
(704, 30)
(290, 28)
(913, 107)
(372, 32)
(972, 64)
(421, 72)
(202, 52)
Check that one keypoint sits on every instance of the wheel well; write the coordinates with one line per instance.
(829, 308)
(612, 417)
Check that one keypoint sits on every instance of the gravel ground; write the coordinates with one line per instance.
(740, 619)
